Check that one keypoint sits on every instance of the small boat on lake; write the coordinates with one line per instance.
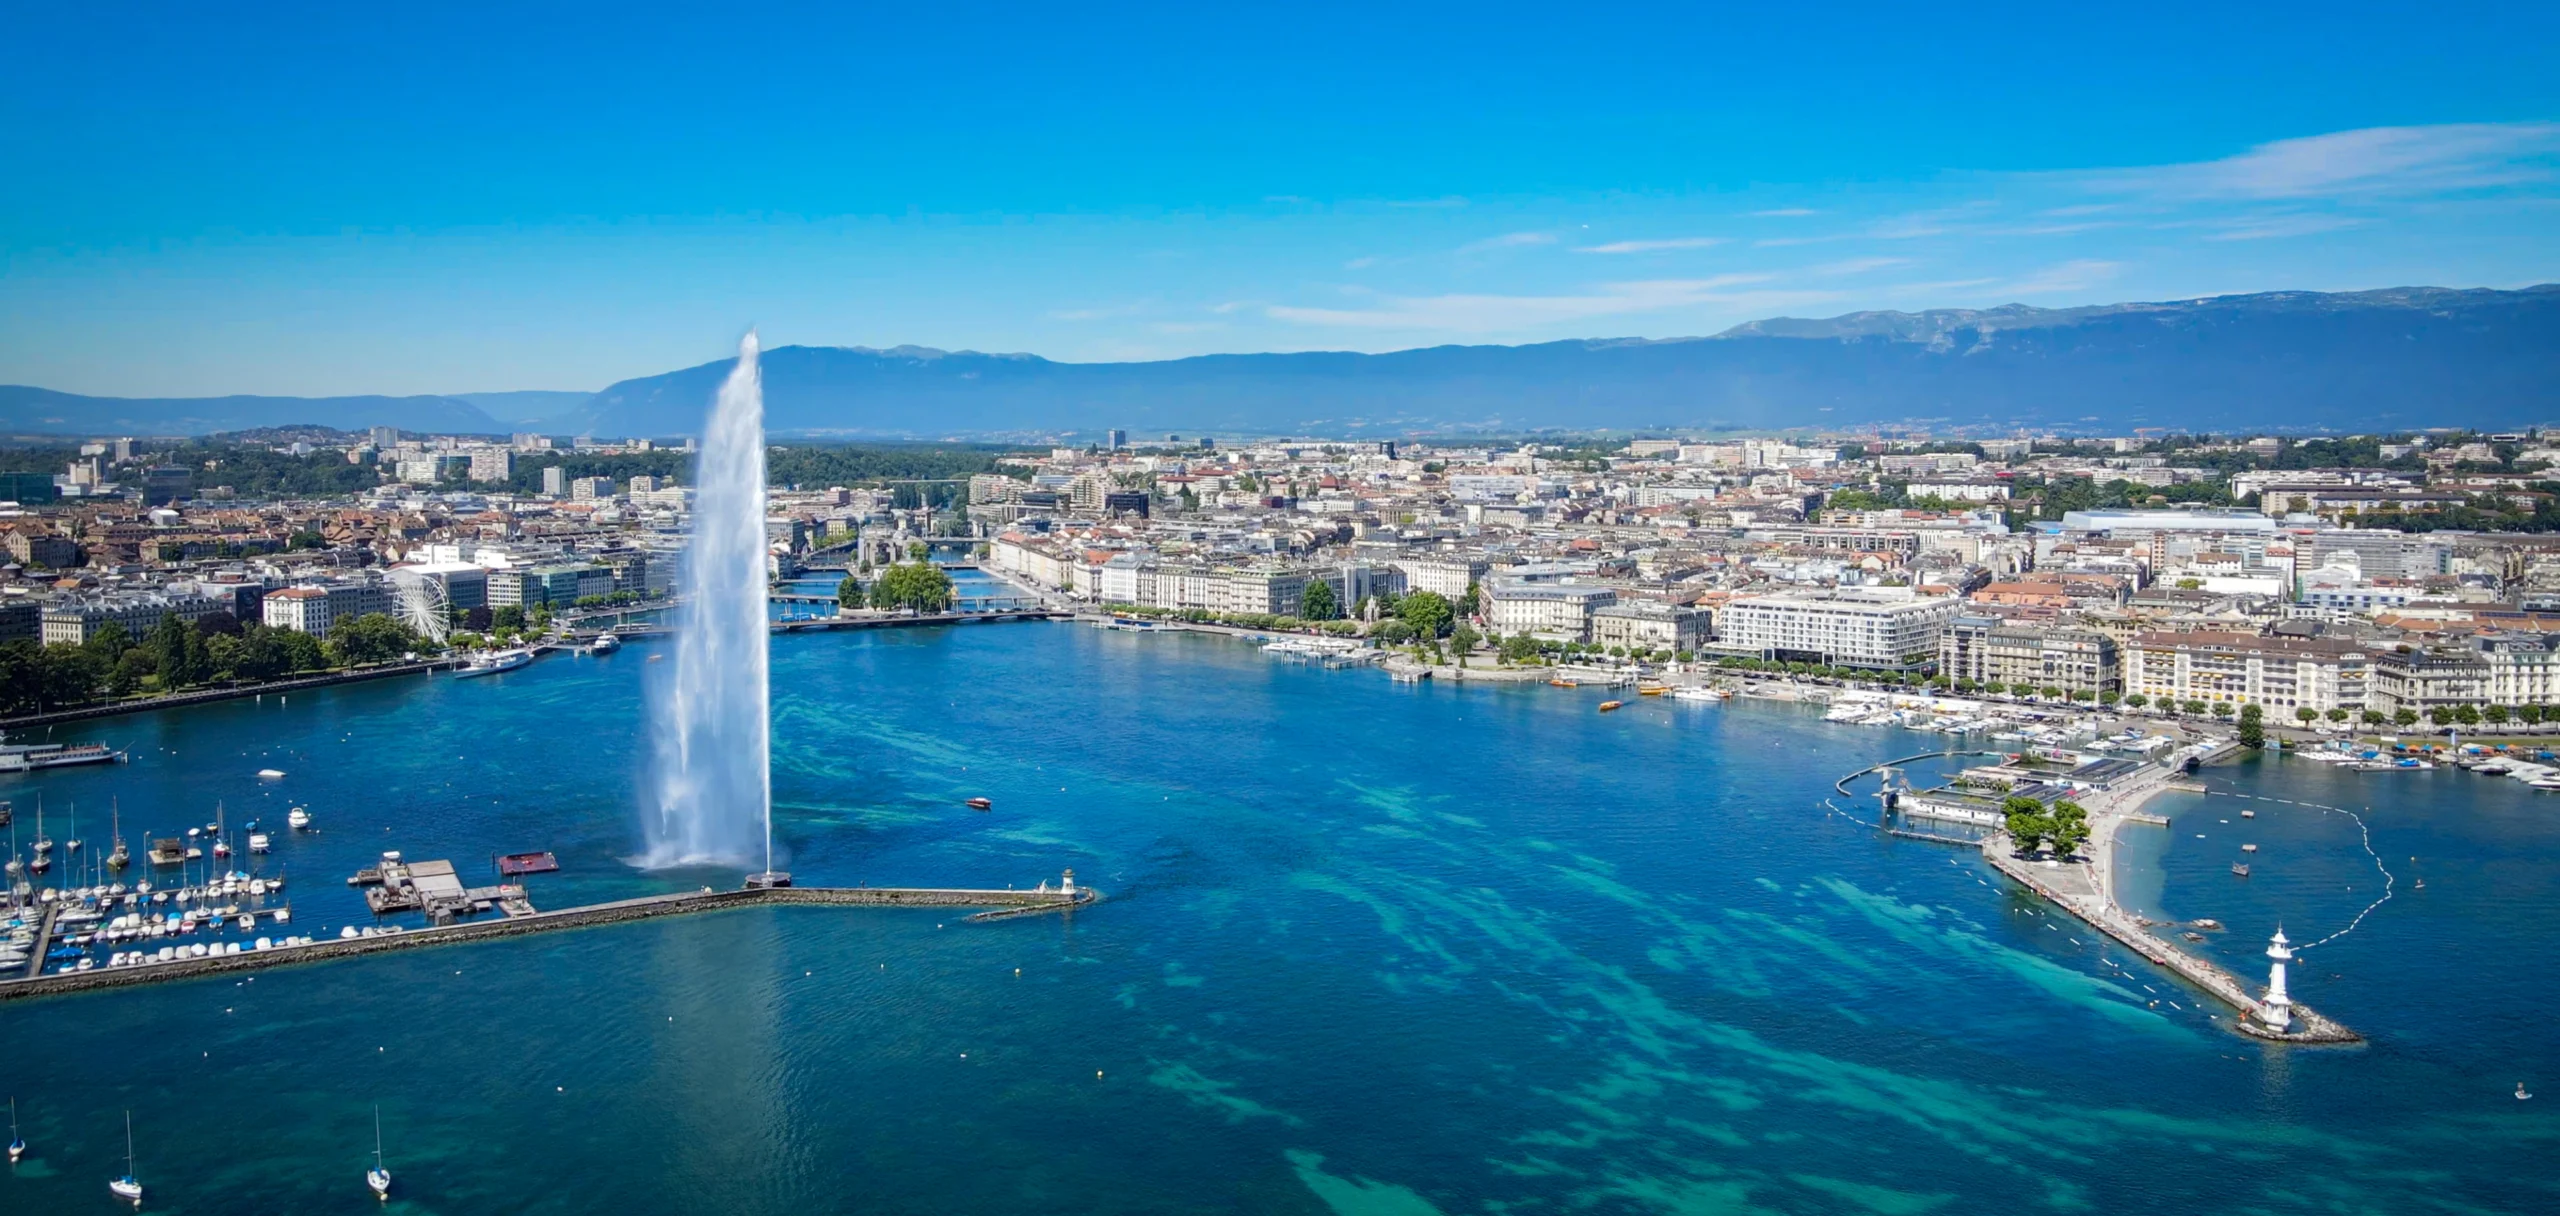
(379, 1177)
(18, 1143)
(299, 819)
(2240, 869)
(127, 1187)
(493, 662)
(1606, 706)
(980, 804)
(258, 842)
(1561, 682)
(605, 643)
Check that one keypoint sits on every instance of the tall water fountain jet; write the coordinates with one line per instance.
(715, 784)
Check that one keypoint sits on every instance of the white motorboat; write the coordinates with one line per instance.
(299, 819)
(493, 662)
(605, 643)
(258, 842)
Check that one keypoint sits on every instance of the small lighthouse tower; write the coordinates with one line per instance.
(2276, 1011)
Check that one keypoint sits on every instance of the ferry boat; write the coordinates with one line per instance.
(16, 758)
(605, 643)
(492, 663)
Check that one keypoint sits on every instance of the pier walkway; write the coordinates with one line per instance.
(994, 904)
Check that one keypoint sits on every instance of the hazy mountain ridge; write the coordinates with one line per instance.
(2402, 357)
(28, 410)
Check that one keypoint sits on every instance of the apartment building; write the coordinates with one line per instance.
(1555, 611)
(1993, 650)
(2282, 674)
(1888, 628)
(1652, 625)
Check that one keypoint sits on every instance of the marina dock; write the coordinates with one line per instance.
(994, 905)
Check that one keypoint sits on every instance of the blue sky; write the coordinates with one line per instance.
(448, 199)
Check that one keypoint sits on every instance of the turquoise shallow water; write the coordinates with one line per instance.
(1368, 948)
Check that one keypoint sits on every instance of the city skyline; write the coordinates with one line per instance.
(364, 204)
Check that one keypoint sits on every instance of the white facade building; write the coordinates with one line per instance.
(1880, 627)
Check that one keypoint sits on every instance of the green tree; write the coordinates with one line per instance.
(2253, 726)
(108, 644)
(918, 551)
(2028, 823)
(2136, 700)
(1519, 648)
(2468, 715)
(849, 592)
(1428, 613)
(2404, 717)
(2337, 715)
(1318, 604)
(509, 617)
(2069, 828)
(2496, 715)
(2532, 714)
(373, 638)
(920, 586)
(2373, 717)
(2195, 708)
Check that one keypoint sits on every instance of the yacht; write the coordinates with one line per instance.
(299, 819)
(379, 1177)
(18, 1143)
(605, 643)
(127, 1187)
(258, 842)
(493, 662)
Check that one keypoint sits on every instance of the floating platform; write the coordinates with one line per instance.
(517, 865)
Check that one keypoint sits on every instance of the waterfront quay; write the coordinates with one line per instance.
(2088, 892)
(992, 905)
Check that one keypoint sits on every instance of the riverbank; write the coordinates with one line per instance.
(208, 696)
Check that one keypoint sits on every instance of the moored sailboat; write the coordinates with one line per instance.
(379, 1177)
(127, 1187)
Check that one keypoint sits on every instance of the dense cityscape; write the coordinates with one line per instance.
(2364, 582)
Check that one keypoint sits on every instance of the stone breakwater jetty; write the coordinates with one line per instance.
(994, 905)
(2074, 889)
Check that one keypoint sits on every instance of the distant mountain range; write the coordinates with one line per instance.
(2401, 358)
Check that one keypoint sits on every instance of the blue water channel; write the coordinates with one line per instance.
(1368, 948)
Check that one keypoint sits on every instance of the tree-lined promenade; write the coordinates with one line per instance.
(217, 651)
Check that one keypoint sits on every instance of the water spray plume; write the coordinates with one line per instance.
(713, 733)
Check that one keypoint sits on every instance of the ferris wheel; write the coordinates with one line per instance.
(424, 604)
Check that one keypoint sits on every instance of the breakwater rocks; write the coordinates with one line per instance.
(2307, 1028)
(1003, 903)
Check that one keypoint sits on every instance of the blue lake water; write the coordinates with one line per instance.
(1368, 948)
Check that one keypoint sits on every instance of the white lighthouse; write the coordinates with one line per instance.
(2277, 1009)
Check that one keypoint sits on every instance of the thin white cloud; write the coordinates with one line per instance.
(2079, 274)
(1360, 263)
(2374, 160)
(1476, 313)
(1508, 240)
(1677, 242)
(1097, 314)
(2273, 227)
(1859, 266)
